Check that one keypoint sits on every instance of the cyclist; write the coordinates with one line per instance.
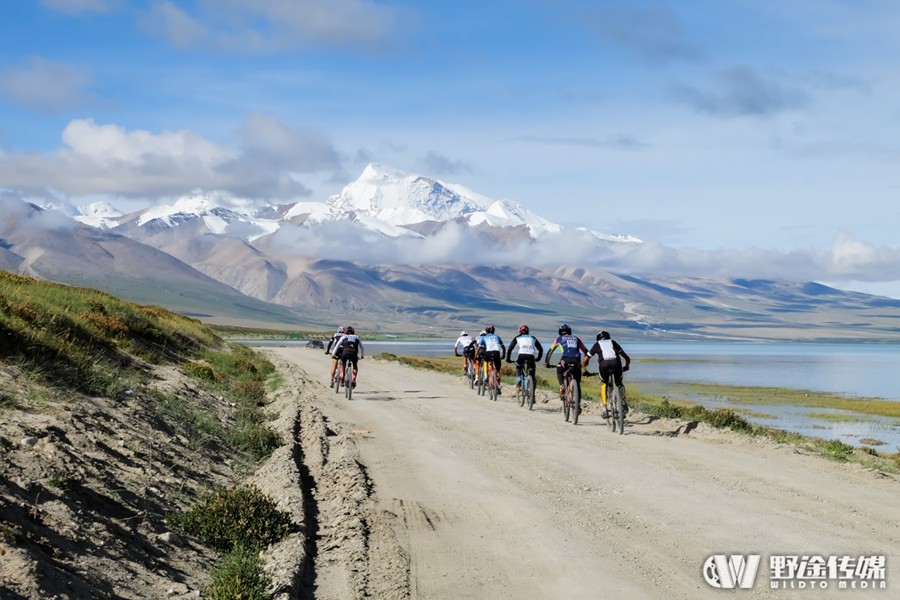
(334, 340)
(349, 349)
(609, 354)
(530, 351)
(474, 350)
(491, 348)
(463, 342)
(572, 348)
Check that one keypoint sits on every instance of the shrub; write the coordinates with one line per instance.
(239, 516)
(239, 575)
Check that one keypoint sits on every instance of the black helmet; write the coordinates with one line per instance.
(603, 335)
(564, 329)
(489, 328)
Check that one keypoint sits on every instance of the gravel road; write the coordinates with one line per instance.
(468, 498)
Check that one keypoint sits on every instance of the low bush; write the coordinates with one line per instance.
(239, 516)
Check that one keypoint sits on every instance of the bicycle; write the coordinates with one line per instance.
(336, 382)
(470, 373)
(525, 387)
(572, 400)
(615, 406)
(492, 383)
(347, 368)
(480, 378)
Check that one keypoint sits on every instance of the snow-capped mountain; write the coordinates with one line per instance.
(388, 201)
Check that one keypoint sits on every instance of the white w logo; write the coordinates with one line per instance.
(729, 572)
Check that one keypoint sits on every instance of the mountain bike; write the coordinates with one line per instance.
(480, 378)
(524, 387)
(572, 392)
(492, 381)
(615, 404)
(336, 381)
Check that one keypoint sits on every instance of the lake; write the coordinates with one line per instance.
(869, 370)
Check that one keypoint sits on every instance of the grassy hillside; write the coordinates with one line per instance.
(119, 422)
(88, 340)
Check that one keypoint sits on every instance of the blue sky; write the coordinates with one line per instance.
(760, 136)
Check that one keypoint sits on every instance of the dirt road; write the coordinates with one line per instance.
(470, 498)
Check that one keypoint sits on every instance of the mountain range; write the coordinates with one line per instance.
(403, 253)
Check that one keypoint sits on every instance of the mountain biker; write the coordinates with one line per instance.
(609, 354)
(463, 342)
(572, 348)
(334, 340)
(474, 350)
(349, 349)
(491, 348)
(530, 351)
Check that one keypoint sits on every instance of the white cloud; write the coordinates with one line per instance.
(43, 85)
(105, 159)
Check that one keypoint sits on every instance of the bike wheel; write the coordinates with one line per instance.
(528, 391)
(620, 411)
(520, 390)
(492, 385)
(566, 403)
(337, 380)
(610, 406)
(576, 401)
(471, 375)
(348, 381)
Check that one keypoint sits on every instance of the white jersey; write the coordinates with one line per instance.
(462, 342)
(607, 350)
(525, 344)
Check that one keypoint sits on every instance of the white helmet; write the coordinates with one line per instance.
(462, 333)
(483, 333)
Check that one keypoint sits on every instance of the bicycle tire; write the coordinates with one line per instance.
(470, 374)
(620, 411)
(348, 381)
(337, 380)
(565, 403)
(576, 401)
(521, 391)
(610, 409)
(492, 385)
(528, 388)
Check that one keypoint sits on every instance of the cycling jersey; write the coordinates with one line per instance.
(528, 346)
(334, 340)
(492, 343)
(571, 347)
(462, 342)
(348, 345)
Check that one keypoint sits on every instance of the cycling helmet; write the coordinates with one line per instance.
(463, 332)
(523, 329)
(489, 328)
(483, 333)
(349, 330)
(564, 329)
(603, 335)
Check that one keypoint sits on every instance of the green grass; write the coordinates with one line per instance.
(86, 340)
(239, 576)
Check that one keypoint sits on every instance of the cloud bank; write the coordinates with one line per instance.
(104, 159)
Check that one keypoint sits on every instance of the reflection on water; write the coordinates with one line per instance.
(867, 370)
